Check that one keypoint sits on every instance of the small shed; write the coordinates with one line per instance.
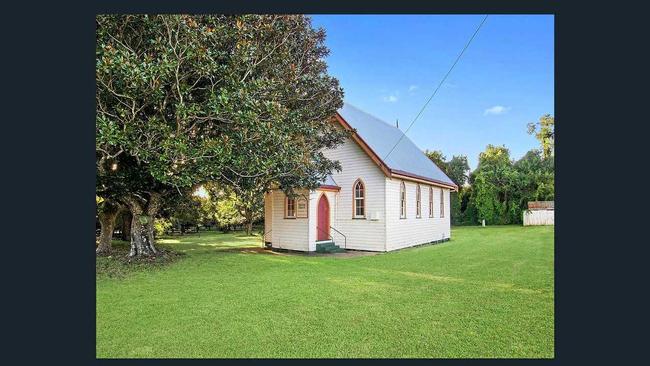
(540, 213)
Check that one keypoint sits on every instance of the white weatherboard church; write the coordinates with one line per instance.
(379, 201)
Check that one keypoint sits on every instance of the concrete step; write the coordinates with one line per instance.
(328, 246)
(324, 242)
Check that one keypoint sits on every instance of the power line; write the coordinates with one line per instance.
(439, 85)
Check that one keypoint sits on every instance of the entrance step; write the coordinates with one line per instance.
(328, 246)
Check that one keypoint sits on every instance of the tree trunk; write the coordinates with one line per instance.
(142, 243)
(249, 224)
(142, 229)
(107, 216)
(126, 225)
(248, 216)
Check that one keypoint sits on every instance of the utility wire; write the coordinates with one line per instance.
(439, 85)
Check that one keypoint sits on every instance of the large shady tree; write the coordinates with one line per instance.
(181, 100)
(121, 184)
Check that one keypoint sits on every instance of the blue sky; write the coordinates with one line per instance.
(388, 65)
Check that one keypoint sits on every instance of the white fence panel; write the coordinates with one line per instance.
(539, 217)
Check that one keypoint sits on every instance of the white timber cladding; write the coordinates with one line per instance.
(286, 233)
(539, 217)
(381, 229)
(409, 231)
(367, 233)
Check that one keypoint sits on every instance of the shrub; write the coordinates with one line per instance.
(161, 226)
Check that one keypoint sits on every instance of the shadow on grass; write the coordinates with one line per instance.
(212, 241)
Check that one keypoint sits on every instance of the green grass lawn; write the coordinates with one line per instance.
(486, 293)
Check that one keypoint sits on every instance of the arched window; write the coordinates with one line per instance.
(430, 201)
(359, 202)
(442, 202)
(402, 205)
(418, 202)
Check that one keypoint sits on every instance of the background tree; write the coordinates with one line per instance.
(182, 211)
(544, 131)
(244, 100)
(209, 200)
(437, 157)
(457, 169)
(228, 215)
(501, 188)
(493, 183)
(250, 204)
(537, 177)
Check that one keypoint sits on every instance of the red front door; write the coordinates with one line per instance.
(323, 224)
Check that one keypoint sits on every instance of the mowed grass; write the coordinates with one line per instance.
(486, 293)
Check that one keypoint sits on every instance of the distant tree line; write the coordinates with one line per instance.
(499, 189)
(217, 207)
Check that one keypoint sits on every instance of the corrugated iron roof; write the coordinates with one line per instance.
(329, 181)
(381, 137)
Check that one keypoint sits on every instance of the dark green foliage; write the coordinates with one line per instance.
(456, 168)
(183, 210)
(501, 188)
(456, 213)
(469, 214)
(230, 98)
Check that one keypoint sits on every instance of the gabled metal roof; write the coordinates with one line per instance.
(329, 181)
(405, 159)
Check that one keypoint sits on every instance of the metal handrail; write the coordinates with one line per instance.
(345, 238)
(264, 238)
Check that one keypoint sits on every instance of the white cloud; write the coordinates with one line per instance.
(497, 109)
(391, 98)
(412, 88)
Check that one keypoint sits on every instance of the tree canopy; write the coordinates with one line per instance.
(544, 131)
(216, 97)
(500, 188)
(456, 168)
